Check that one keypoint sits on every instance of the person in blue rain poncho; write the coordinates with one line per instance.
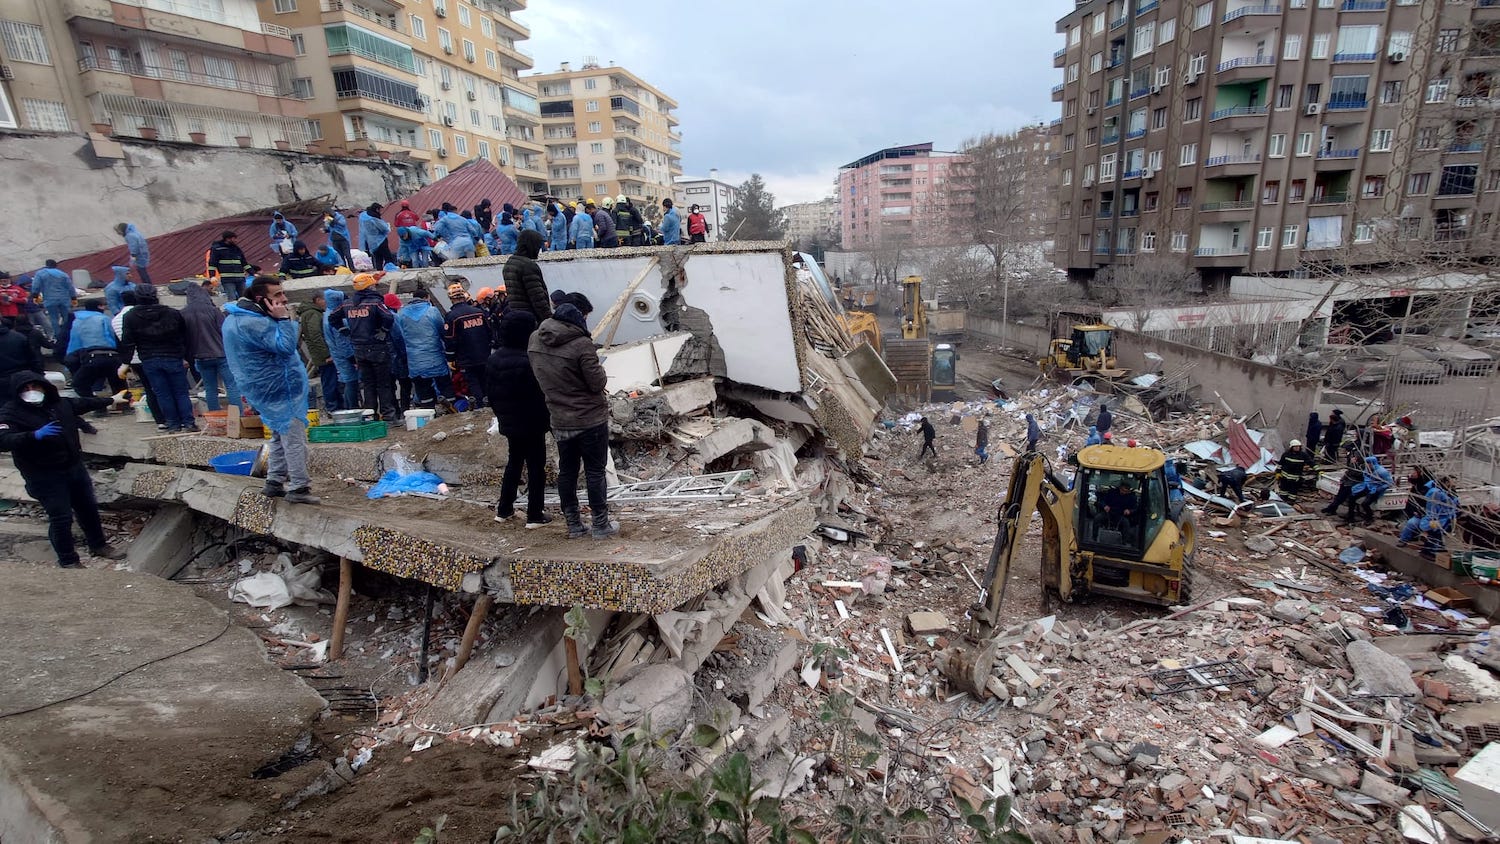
(581, 232)
(116, 288)
(338, 235)
(455, 231)
(281, 230)
(416, 246)
(260, 342)
(506, 234)
(375, 235)
(1367, 492)
(140, 251)
(420, 327)
(532, 222)
(559, 228)
(342, 351)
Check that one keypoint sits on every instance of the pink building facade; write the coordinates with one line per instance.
(898, 194)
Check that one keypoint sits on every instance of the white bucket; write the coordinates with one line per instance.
(142, 412)
(418, 418)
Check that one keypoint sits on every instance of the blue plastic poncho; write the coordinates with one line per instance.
(328, 257)
(582, 230)
(140, 251)
(416, 246)
(340, 348)
(53, 285)
(559, 229)
(336, 224)
(115, 290)
(455, 230)
(508, 235)
(531, 222)
(262, 354)
(421, 331)
(1377, 478)
(671, 228)
(393, 484)
(91, 330)
(373, 231)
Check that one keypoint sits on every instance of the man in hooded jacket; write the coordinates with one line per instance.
(260, 338)
(338, 235)
(205, 344)
(40, 430)
(484, 214)
(420, 329)
(140, 250)
(115, 290)
(346, 371)
(55, 288)
(375, 236)
(407, 217)
(604, 224)
(572, 379)
(300, 263)
(159, 335)
(521, 410)
(91, 350)
(16, 353)
(369, 325)
(524, 284)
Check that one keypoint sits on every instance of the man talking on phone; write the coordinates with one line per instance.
(260, 341)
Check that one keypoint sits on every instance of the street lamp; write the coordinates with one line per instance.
(1005, 293)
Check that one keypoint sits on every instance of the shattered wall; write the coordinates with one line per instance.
(162, 187)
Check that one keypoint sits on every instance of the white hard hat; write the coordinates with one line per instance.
(1295, 443)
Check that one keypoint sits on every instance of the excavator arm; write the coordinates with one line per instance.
(1032, 486)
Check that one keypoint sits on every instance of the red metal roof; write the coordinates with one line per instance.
(181, 254)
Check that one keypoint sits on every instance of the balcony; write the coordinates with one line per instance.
(379, 93)
(1236, 205)
(1338, 153)
(1060, 58)
(1113, 101)
(1133, 174)
(1247, 61)
(626, 109)
(1486, 10)
(336, 9)
(1147, 6)
(1355, 57)
(1347, 104)
(1239, 111)
(1337, 198)
(1220, 256)
(1231, 165)
(1362, 6)
(531, 144)
(238, 28)
(1101, 249)
(1115, 61)
(1057, 93)
(1117, 22)
(1245, 11)
(516, 55)
(629, 153)
(130, 68)
(1110, 139)
(1135, 133)
(1140, 92)
(1465, 147)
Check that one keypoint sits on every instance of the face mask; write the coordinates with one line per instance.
(33, 396)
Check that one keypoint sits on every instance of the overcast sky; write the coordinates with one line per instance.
(793, 89)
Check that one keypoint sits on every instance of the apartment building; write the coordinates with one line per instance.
(1256, 138)
(898, 193)
(185, 70)
(809, 220)
(608, 132)
(439, 80)
(713, 198)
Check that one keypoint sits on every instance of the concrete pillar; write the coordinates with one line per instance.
(165, 544)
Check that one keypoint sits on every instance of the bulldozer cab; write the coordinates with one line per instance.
(1092, 341)
(1122, 500)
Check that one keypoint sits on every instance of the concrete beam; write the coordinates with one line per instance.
(165, 544)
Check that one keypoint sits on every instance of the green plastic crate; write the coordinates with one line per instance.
(347, 433)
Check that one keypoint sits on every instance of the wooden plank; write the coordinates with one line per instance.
(471, 630)
(610, 320)
(341, 609)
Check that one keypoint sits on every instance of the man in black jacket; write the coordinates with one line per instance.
(17, 353)
(525, 288)
(522, 413)
(158, 333)
(572, 378)
(368, 324)
(300, 263)
(226, 258)
(40, 430)
(468, 337)
(1333, 435)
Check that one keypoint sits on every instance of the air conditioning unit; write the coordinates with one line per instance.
(1092, 111)
(442, 153)
(440, 11)
(447, 86)
(1314, 108)
(473, 96)
(1190, 78)
(447, 51)
(1147, 173)
(1397, 58)
(1088, 183)
(6, 72)
(447, 121)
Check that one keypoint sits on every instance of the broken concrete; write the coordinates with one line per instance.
(661, 693)
(165, 544)
(732, 437)
(1380, 672)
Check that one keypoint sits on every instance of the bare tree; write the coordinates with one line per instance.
(1147, 284)
(998, 201)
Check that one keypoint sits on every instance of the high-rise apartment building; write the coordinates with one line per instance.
(1250, 137)
(184, 70)
(811, 220)
(608, 132)
(896, 194)
(437, 79)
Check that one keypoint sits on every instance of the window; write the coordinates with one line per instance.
(1374, 186)
(1168, 31)
(489, 60)
(1314, 93)
(591, 105)
(1074, 36)
(1297, 191)
(434, 139)
(469, 49)
(47, 115)
(463, 15)
(1153, 201)
(1348, 91)
(1189, 154)
(302, 88)
(484, 149)
(1492, 180)
(1270, 194)
(1364, 232)
(1085, 240)
(445, 75)
(1179, 241)
(1276, 148)
(1153, 160)
(1065, 211)
(1298, 4)
(1164, 76)
(487, 28)
(1289, 237)
(418, 27)
(1417, 184)
(1264, 238)
(1399, 44)
(1380, 140)
(1184, 197)
(284, 6)
(596, 148)
(1107, 168)
(1096, 62)
(1087, 208)
(1437, 90)
(496, 124)
(474, 118)
(451, 110)
(1304, 144)
(1291, 48)
(1068, 142)
(1088, 174)
(24, 42)
(1447, 41)
(1198, 64)
(1410, 228)
(1390, 92)
(598, 169)
(1319, 46)
(1090, 136)
(1458, 180)
(439, 171)
(1192, 109)
(1145, 39)
(419, 65)
(1203, 15)
(590, 84)
(1427, 137)
(1148, 241)
(460, 144)
(1159, 118)
(1073, 72)
(445, 40)
(299, 44)
(1357, 42)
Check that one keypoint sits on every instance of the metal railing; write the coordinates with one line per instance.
(1237, 205)
(1329, 198)
(361, 11)
(1058, 89)
(1147, 6)
(415, 143)
(1355, 57)
(175, 121)
(1113, 101)
(1216, 251)
(1247, 61)
(130, 68)
(1110, 139)
(1133, 174)
(1060, 53)
(275, 29)
(1470, 146)
(1140, 92)
(1347, 103)
(1135, 133)
(1117, 22)
(1362, 6)
(1238, 111)
(1219, 160)
(1236, 14)
(1339, 153)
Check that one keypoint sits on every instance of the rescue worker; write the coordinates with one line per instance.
(40, 430)
(341, 350)
(1333, 434)
(671, 224)
(582, 231)
(627, 221)
(1363, 497)
(505, 235)
(227, 261)
(981, 438)
(91, 350)
(337, 229)
(468, 336)
(558, 230)
(697, 225)
(484, 214)
(1314, 435)
(1293, 467)
(604, 226)
(369, 324)
(420, 328)
(929, 434)
(260, 340)
(283, 235)
(1094, 437)
(140, 250)
(55, 290)
(415, 246)
(524, 283)
(521, 411)
(1106, 419)
(115, 290)
(300, 263)
(454, 230)
(17, 354)
(407, 217)
(375, 236)
(1441, 508)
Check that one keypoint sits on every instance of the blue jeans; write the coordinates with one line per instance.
(328, 377)
(211, 370)
(167, 378)
(59, 316)
(140, 270)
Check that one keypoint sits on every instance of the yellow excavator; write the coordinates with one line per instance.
(1089, 353)
(1118, 529)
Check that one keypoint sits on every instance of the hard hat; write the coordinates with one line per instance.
(364, 281)
(1130, 443)
(620, 198)
(456, 292)
(1295, 443)
(500, 288)
(1109, 435)
(484, 293)
(607, 202)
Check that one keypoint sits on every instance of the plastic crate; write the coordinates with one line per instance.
(346, 433)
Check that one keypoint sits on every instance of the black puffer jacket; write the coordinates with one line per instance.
(205, 324)
(468, 335)
(515, 395)
(18, 420)
(17, 352)
(153, 330)
(568, 369)
(524, 286)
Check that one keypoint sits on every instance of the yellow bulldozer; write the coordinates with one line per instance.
(1089, 353)
(1118, 529)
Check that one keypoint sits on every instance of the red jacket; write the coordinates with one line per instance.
(12, 297)
(407, 217)
(697, 224)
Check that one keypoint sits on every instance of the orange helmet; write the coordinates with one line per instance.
(483, 294)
